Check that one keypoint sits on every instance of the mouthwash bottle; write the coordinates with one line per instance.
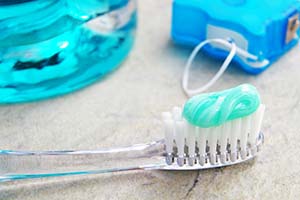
(49, 48)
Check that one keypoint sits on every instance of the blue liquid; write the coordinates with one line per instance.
(49, 48)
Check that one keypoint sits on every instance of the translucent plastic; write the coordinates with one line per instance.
(18, 165)
(49, 48)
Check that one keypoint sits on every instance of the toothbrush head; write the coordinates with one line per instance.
(214, 130)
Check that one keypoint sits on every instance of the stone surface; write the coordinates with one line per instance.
(125, 109)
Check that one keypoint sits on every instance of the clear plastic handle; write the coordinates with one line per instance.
(16, 165)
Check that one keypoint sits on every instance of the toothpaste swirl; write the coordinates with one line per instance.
(214, 109)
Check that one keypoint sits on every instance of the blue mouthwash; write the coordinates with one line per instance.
(49, 48)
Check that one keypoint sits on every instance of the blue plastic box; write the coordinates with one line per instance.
(265, 28)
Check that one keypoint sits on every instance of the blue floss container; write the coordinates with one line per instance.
(264, 28)
(49, 48)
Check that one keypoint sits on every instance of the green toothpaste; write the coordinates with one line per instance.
(214, 109)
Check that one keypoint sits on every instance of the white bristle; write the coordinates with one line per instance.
(190, 132)
(245, 129)
(203, 134)
(179, 134)
(234, 137)
(226, 129)
(236, 129)
(180, 141)
(212, 143)
(169, 130)
(261, 116)
(256, 120)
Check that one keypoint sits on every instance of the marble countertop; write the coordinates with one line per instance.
(125, 109)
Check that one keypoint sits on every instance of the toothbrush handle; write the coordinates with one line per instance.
(16, 165)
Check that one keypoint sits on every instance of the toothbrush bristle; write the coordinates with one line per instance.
(189, 145)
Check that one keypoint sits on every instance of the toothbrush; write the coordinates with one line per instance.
(211, 130)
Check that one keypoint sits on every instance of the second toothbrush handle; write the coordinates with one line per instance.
(16, 165)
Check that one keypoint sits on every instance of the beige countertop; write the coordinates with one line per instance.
(125, 109)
